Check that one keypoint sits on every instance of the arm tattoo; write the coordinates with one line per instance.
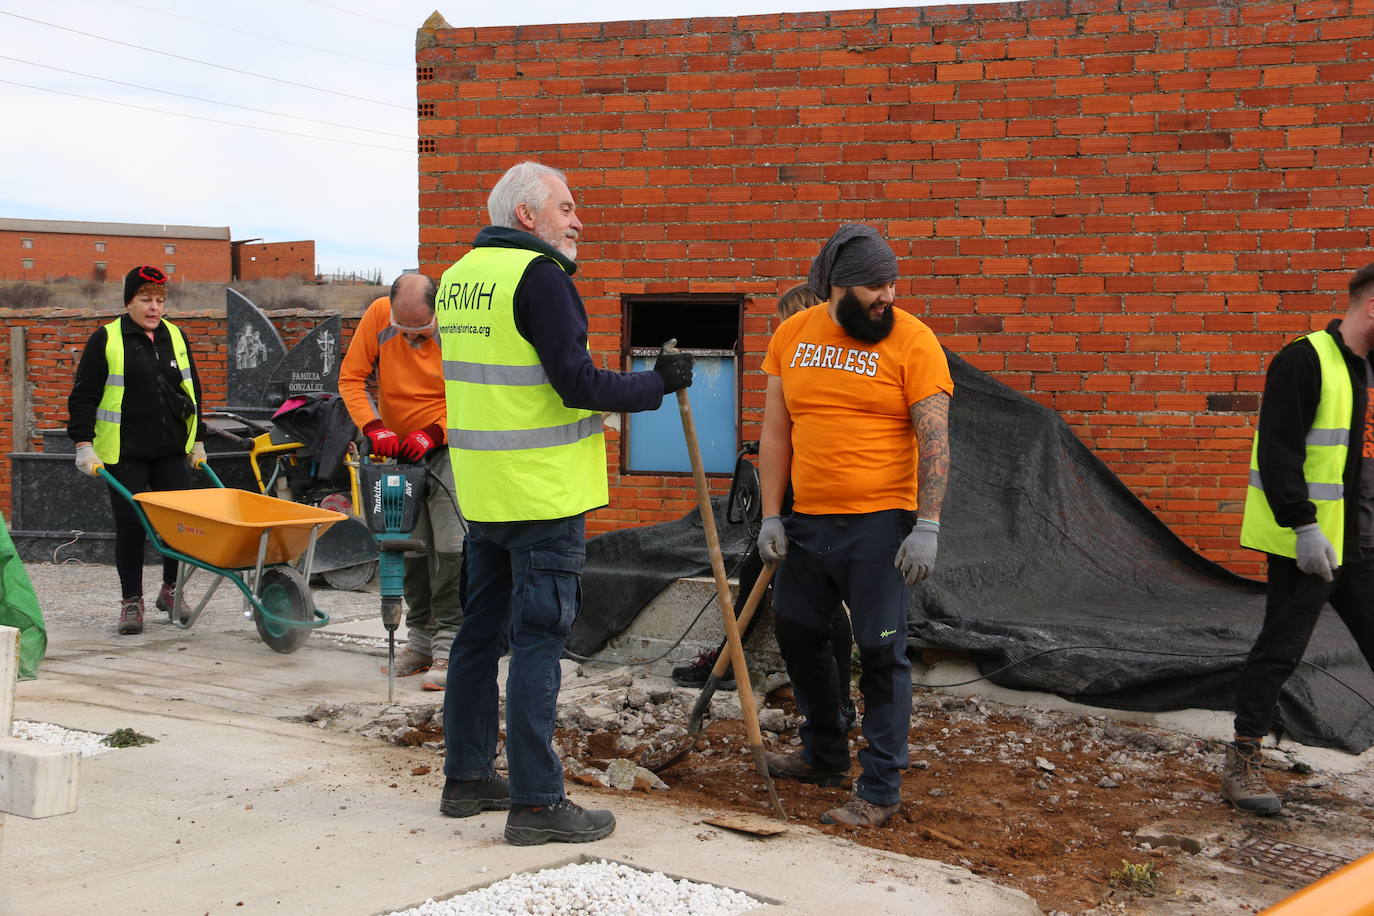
(930, 417)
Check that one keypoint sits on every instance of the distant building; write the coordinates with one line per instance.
(254, 258)
(40, 250)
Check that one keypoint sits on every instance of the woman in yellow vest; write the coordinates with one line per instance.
(134, 409)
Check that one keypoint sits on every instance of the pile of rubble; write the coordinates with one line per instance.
(645, 716)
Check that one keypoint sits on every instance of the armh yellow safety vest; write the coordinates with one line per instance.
(1328, 442)
(110, 409)
(518, 453)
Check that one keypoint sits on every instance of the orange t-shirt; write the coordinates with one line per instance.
(409, 381)
(853, 445)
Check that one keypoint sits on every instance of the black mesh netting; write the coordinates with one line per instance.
(1043, 548)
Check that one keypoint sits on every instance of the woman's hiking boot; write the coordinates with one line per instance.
(131, 616)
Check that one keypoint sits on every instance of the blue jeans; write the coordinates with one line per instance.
(849, 557)
(522, 587)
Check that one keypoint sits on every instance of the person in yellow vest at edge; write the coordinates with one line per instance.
(529, 460)
(1310, 507)
(135, 408)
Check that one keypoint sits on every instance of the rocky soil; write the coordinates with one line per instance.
(1054, 803)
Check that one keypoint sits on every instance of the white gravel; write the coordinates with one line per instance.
(88, 743)
(591, 889)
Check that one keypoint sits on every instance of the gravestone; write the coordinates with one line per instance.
(254, 350)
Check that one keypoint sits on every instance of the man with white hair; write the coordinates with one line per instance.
(524, 416)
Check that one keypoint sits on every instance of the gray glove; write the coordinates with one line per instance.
(772, 539)
(1316, 556)
(197, 455)
(916, 556)
(86, 459)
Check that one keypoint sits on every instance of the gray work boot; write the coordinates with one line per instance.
(564, 822)
(1242, 780)
(466, 797)
(437, 676)
(410, 662)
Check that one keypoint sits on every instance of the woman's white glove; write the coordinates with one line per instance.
(86, 459)
(197, 455)
(772, 539)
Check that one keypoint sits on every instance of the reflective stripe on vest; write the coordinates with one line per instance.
(1323, 468)
(109, 411)
(518, 453)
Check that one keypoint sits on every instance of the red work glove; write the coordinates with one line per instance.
(384, 442)
(419, 443)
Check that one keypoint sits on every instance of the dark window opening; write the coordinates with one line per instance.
(709, 326)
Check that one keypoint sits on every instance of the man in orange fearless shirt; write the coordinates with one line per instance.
(395, 345)
(856, 418)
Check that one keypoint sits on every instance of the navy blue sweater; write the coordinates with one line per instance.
(550, 315)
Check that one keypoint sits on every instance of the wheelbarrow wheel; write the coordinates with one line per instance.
(285, 593)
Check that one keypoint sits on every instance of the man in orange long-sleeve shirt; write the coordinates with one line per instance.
(395, 346)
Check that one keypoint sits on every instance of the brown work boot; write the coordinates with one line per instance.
(410, 662)
(792, 766)
(131, 616)
(860, 813)
(1242, 780)
(437, 676)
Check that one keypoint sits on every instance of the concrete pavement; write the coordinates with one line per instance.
(242, 807)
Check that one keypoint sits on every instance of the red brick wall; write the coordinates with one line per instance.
(60, 254)
(1118, 207)
(275, 259)
(54, 343)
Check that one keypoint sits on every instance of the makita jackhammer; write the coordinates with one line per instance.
(392, 495)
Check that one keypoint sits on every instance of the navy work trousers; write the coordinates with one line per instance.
(522, 588)
(848, 557)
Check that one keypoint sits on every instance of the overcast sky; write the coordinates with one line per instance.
(89, 131)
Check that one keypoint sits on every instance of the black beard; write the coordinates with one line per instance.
(853, 318)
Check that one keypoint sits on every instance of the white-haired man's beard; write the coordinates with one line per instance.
(563, 241)
(853, 318)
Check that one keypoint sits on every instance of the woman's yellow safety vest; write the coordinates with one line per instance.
(1328, 442)
(110, 409)
(518, 453)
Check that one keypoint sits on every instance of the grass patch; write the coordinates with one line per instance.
(127, 737)
(1142, 878)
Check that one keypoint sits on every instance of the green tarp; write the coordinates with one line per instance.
(19, 607)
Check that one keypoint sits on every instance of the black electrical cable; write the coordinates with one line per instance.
(206, 63)
(196, 98)
(277, 38)
(177, 114)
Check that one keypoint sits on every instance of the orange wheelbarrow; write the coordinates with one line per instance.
(231, 533)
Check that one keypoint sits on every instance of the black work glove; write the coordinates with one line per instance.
(674, 366)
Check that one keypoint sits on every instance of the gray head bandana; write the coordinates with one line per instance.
(856, 255)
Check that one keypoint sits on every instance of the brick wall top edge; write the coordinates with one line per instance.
(946, 13)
